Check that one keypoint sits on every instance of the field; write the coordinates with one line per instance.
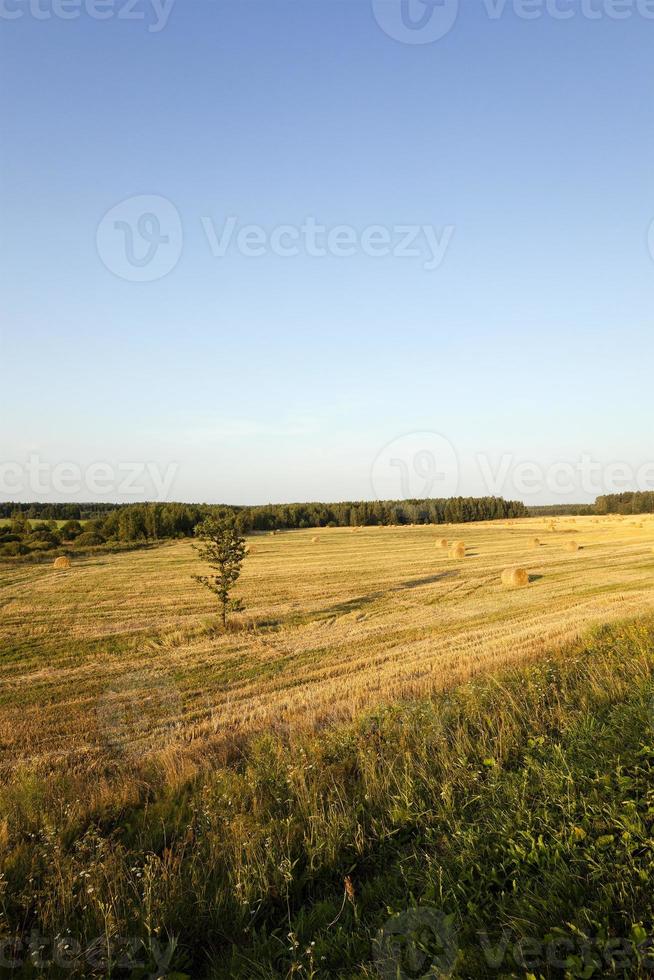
(122, 652)
(206, 794)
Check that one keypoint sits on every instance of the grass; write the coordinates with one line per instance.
(501, 828)
(381, 714)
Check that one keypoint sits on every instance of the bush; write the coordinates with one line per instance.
(13, 548)
(71, 530)
(35, 543)
(87, 539)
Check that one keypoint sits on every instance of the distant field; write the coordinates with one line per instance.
(4, 521)
(121, 655)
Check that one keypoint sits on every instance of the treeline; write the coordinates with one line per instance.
(123, 524)
(170, 519)
(630, 502)
(151, 522)
(625, 503)
(563, 510)
(453, 510)
(55, 512)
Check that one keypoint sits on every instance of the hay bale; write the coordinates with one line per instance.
(535, 543)
(572, 546)
(515, 578)
(458, 550)
(315, 540)
(62, 562)
(443, 543)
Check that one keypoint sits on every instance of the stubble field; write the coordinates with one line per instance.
(121, 658)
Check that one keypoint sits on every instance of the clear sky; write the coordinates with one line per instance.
(524, 146)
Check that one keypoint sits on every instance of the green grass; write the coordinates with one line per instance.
(516, 813)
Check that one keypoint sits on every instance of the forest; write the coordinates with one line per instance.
(34, 528)
(30, 528)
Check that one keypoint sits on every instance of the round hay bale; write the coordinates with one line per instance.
(62, 562)
(535, 543)
(572, 546)
(458, 550)
(443, 543)
(315, 540)
(515, 578)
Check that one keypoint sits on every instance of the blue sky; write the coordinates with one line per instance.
(270, 377)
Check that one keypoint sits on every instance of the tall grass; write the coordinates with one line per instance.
(517, 807)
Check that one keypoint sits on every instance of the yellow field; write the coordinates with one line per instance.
(122, 655)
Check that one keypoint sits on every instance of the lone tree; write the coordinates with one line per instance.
(223, 546)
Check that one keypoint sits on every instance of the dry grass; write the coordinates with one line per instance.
(122, 659)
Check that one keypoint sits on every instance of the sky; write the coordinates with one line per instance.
(286, 250)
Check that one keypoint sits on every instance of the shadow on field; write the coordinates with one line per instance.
(429, 580)
(354, 605)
